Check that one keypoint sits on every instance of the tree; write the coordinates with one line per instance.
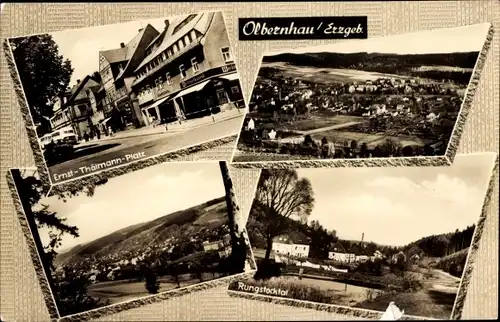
(354, 145)
(281, 196)
(43, 72)
(363, 150)
(71, 295)
(390, 147)
(71, 292)
(238, 244)
(152, 284)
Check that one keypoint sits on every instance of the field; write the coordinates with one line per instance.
(372, 140)
(434, 297)
(327, 75)
(120, 291)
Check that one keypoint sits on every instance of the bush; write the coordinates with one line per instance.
(268, 269)
(152, 284)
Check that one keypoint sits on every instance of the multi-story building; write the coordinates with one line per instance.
(294, 245)
(116, 67)
(75, 107)
(188, 71)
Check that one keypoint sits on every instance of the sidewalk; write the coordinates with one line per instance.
(170, 128)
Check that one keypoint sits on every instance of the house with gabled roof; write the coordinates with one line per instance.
(75, 107)
(188, 72)
(116, 67)
(293, 244)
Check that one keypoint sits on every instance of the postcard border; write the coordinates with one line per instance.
(458, 305)
(442, 160)
(119, 307)
(33, 140)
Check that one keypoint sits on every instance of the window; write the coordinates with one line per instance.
(159, 82)
(181, 43)
(193, 35)
(187, 39)
(163, 56)
(235, 90)
(176, 49)
(183, 23)
(226, 55)
(194, 63)
(182, 70)
(168, 80)
(170, 52)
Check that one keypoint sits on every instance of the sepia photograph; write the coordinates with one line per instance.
(395, 96)
(106, 96)
(153, 231)
(379, 239)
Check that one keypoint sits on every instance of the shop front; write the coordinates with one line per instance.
(210, 96)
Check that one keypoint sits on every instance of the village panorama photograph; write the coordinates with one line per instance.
(367, 238)
(147, 232)
(395, 96)
(105, 96)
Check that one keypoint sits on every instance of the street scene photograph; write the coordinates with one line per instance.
(170, 226)
(379, 239)
(394, 96)
(105, 96)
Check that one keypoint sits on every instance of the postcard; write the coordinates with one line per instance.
(106, 96)
(391, 97)
(129, 241)
(362, 241)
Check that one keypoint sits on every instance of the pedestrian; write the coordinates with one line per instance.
(86, 136)
(98, 134)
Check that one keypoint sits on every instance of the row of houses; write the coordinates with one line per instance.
(296, 245)
(184, 71)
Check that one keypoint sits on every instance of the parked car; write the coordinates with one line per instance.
(64, 136)
(60, 147)
(45, 140)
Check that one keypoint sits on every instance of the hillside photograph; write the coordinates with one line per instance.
(395, 96)
(147, 232)
(367, 238)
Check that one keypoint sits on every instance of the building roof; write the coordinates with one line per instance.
(136, 48)
(199, 23)
(292, 238)
(115, 55)
(77, 91)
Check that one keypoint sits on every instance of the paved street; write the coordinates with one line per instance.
(101, 155)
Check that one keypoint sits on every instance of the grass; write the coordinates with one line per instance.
(322, 119)
(293, 290)
(422, 303)
(372, 140)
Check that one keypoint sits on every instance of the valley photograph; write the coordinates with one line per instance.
(396, 96)
(158, 229)
(367, 238)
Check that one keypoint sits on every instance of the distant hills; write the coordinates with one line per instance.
(374, 60)
(187, 222)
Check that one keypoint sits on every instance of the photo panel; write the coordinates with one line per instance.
(146, 236)
(379, 243)
(378, 101)
(98, 98)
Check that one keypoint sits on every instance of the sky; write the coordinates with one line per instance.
(444, 40)
(136, 197)
(396, 206)
(82, 46)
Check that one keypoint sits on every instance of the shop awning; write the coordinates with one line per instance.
(192, 89)
(158, 102)
(230, 77)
